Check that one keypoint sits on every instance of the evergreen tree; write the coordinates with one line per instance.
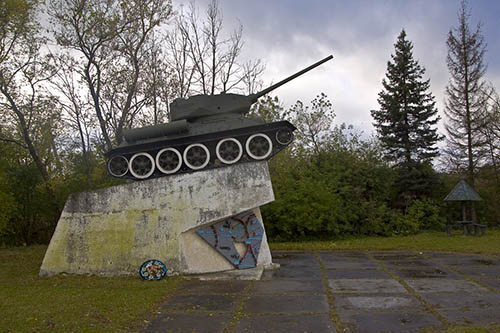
(466, 145)
(406, 120)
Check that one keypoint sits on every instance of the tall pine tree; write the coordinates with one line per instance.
(465, 102)
(406, 121)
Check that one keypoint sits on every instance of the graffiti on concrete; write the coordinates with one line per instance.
(244, 228)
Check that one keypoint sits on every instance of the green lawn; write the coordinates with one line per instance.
(29, 303)
(88, 303)
(430, 241)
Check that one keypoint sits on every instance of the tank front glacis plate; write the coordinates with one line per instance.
(166, 157)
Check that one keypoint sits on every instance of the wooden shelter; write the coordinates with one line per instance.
(464, 193)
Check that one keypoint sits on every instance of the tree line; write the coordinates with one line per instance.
(70, 83)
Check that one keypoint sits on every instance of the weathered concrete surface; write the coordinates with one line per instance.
(112, 231)
(294, 299)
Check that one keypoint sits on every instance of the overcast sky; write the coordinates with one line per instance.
(288, 35)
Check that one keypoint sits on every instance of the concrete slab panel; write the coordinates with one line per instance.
(343, 255)
(112, 231)
(366, 286)
(377, 302)
(425, 272)
(395, 255)
(215, 303)
(351, 273)
(298, 263)
(284, 273)
(415, 263)
(461, 259)
(286, 287)
(492, 283)
(374, 321)
(196, 287)
(473, 316)
(286, 323)
(481, 272)
(287, 304)
(294, 255)
(445, 285)
(351, 264)
(463, 301)
(190, 322)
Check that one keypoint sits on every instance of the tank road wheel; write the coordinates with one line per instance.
(196, 156)
(259, 146)
(284, 136)
(142, 165)
(168, 160)
(118, 166)
(229, 150)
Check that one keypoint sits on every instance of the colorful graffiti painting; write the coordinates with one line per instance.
(243, 228)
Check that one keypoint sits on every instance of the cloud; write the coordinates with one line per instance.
(290, 35)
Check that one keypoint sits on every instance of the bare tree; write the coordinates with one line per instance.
(111, 42)
(23, 70)
(75, 104)
(204, 60)
(313, 122)
(491, 129)
(466, 144)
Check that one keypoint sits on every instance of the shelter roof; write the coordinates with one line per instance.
(463, 192)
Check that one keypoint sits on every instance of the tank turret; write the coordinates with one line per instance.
(205, 131)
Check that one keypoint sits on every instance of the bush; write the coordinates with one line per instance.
(426, 214)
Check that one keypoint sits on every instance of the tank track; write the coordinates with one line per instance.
(200, 152)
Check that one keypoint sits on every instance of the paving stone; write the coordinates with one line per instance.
(422, 263)
(345, 264)
(395, 255)
(337, 261)
(300, 264)
(444, 285)
(218, 303)
(376, 302)
(483, 272)
(291, 255)
(286, 304)
(483, 316)
(427, 272)
(366, 286)
(291, 273)
(458, 259)
(286, 323)
(292, 298)
(344, 255)
(492, 283)
(463, 301)
(394, 321)
(351, 273)
(287, 286)
(190, 322)
(197, 287)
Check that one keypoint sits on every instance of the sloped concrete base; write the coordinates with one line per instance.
(112, 231)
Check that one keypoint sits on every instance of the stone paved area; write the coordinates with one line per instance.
(343, 292)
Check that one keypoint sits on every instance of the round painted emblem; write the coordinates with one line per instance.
(152, 270)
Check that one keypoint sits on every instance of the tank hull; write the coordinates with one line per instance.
(190, 153)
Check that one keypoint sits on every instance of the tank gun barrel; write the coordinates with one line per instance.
(256, 96)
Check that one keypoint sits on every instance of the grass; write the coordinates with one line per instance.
(72, 303)
(429, 241)
(89, 303)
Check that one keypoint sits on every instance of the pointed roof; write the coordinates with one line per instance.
(463, 192)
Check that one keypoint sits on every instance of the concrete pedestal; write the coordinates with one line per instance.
(112, 231)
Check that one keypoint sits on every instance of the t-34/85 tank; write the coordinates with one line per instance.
(204, 132)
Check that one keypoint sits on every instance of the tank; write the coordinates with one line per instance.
(203, 132)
